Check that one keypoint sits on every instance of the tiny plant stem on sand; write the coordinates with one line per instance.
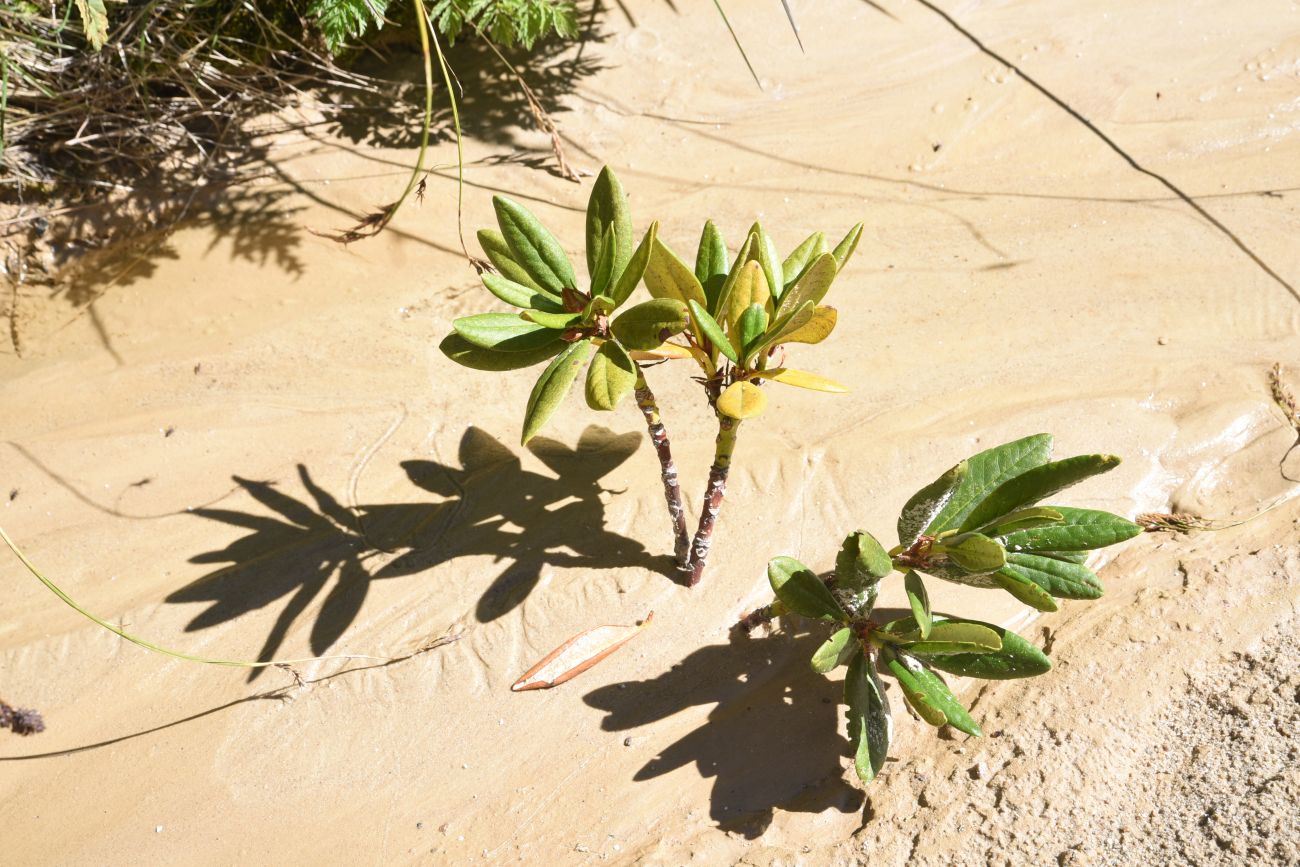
(645, 401)
(714, 492)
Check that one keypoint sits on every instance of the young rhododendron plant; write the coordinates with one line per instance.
(978, 524)
(741, 317)
(733, 320)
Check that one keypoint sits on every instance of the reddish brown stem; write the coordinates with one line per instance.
(645, 400)
(713, 496)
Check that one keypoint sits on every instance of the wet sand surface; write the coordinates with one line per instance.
(1087, 226)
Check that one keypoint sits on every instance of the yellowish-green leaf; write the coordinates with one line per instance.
(94, 22)
(611, 376)
(553, 385)
(647, 325)
(667, 276)
(798, 261)
(713, 331)
(802, 379)
(750, 288)
(812, 286)
(627, 281)
(664, 351)
(816, 329)
(844, 249)
(742, 400)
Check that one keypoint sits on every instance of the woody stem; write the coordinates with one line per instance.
(645, 401)
(713, 495)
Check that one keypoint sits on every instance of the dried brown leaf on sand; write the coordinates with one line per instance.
(578, 654)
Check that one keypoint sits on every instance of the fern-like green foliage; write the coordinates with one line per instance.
(343, 21)
(507, 22)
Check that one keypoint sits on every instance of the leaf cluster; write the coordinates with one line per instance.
(742, 312)
(723, 315)
(978, 524)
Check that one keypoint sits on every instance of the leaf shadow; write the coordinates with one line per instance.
(771, 742)
(314, 550)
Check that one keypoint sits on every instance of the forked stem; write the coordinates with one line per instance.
(645, 401)
(713, 495)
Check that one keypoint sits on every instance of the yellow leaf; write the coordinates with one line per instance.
(815, 330)
(663, 350)
(742, 400)
(751, 288)
(802, 379)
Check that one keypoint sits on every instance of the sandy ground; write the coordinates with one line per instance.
(187, 456)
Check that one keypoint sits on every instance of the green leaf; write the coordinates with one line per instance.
(818, 327)
(801, 591)
(533, 246)
(835, 651)
(553, 385)
(1025, 590)
(926, 692)
(558, 321)
(985, 472)
(650, 323)
(602, 274)
(667, 276)
(519, 295)
(504, 332)
(764, 253)
(635, 270)
(94, 22)
(1034, 484)
(870, 727)
(812, 286)
(750, 328)
(466, 354)
(713, 331)
(611, 376)
(498, 252)
(951, 636)
(974, 553)
(711, 263)
(919, 601)
(721, 305)
(742, 400)
(844, 249)
(1079, 530)
(750, 288)
(921, 510)
(1059, 578)
(1024, 519)
(781, 327)
(608, 217)
(1016, 658)
(798, 261)
(861, 562)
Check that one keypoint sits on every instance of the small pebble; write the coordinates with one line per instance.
(1163, 341)
(978, 771)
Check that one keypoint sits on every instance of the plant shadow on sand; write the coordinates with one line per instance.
(769, 743)
(489, 505)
